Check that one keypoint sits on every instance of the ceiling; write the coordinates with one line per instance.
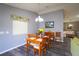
(71, 10)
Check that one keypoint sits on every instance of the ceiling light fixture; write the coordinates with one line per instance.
(39, 19)
(70, 25)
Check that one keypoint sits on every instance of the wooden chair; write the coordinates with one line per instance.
(31, 35)
(51, 39)
(57, 40)
(40, 47)
(30, 44)
(36, 44)
(57, 36)
(49, 34)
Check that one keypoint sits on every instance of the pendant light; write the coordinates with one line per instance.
(70, 25)
(39, 19)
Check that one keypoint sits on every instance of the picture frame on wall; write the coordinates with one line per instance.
(49, 24)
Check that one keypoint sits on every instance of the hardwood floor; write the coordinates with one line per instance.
(54, 51)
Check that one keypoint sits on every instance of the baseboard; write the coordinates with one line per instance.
(12, 48)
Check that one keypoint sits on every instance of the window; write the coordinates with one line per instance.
(20, 24)
(19, 27)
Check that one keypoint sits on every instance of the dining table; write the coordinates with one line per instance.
(36, 40)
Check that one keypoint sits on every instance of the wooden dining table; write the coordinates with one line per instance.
(35, 40)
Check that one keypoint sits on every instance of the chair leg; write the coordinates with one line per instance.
(34, 52)
(49, 45)
(27, 47)
(44, 51)
(39, 52)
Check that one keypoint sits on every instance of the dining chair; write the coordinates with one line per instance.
(38, 44)
(30, 36)
(57, 40)
(40, 47)
(57, 36)
(50, 38)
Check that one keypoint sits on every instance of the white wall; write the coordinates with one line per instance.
(57, 17)
(9, 41)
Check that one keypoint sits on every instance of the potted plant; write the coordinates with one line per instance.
(40, 31)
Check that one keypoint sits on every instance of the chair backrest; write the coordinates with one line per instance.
(48, 34)
(57, 34)
(31, 35)
(43, 43)
(52, 34)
